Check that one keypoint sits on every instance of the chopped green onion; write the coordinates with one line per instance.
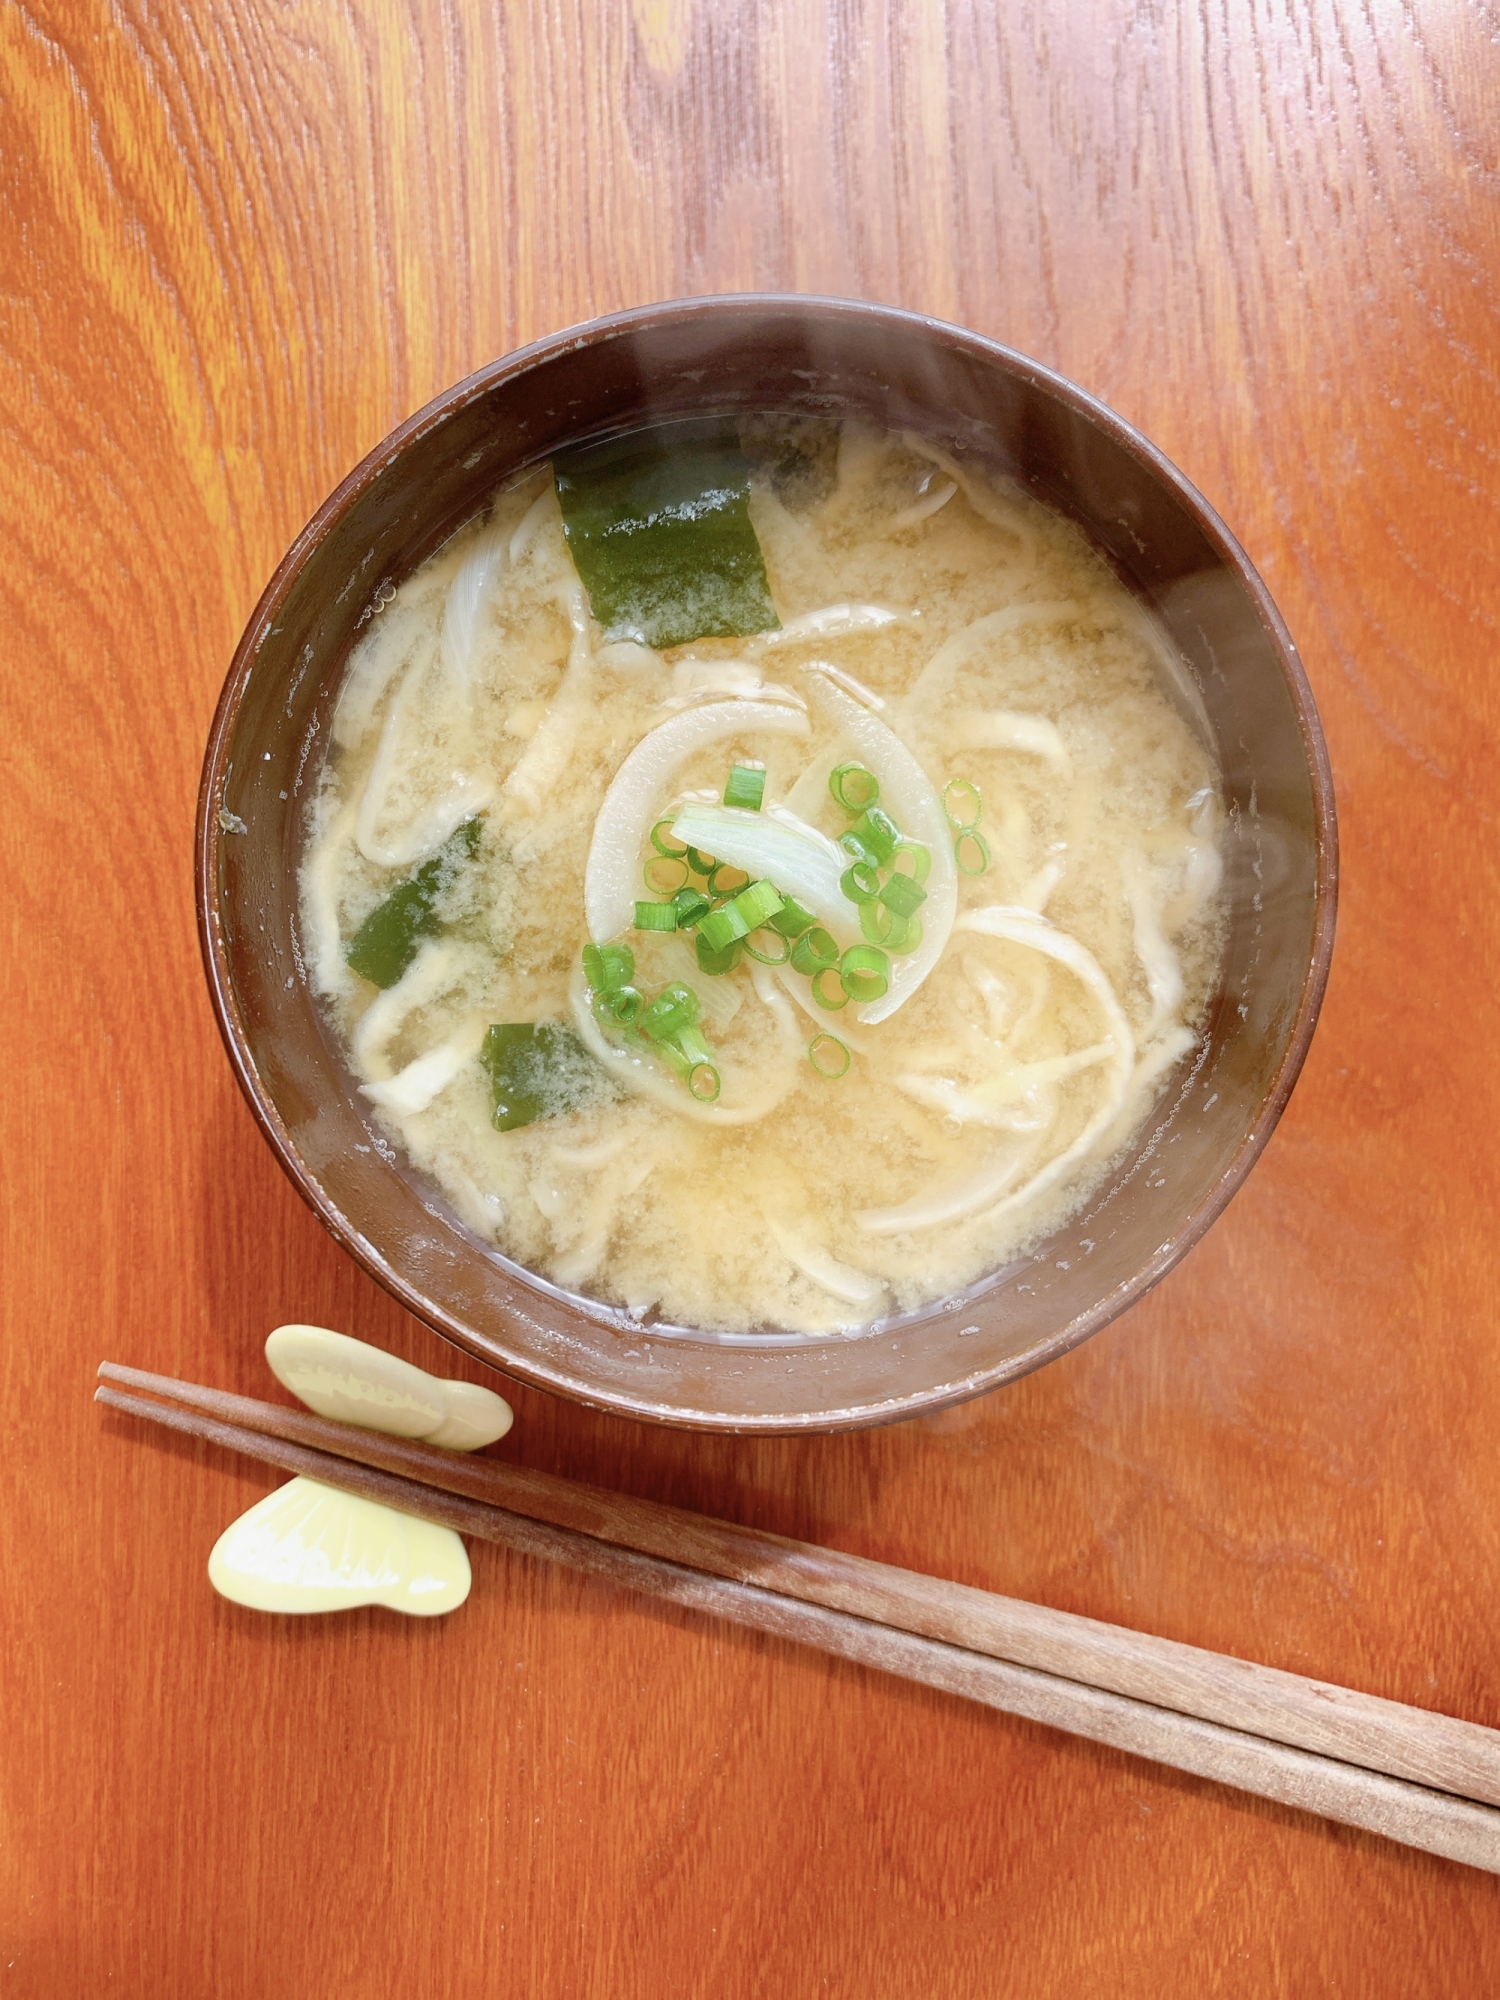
(920, 856)
(865, 971)
(703, 1082)
(715, 960)
(608, 967)
(723, 927)
(814, 952)
(676, 1007)
(824, 1052)
(622, 1005)
(861, 883)
(746, 787)
(768, 936)
(879, 833)
(758, 903)
(853, 787)
(972, 852)
(880, 925)
(665, 874)
(690, 905)
(656, 916)
(659, 841)
(902, 897)
(701, 864)
(718, 879)
(958, 797)
(823, 999)
(792, 920)
(691, 1041)
(876, 923)
(856, 849)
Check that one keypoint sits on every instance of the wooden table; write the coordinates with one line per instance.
(241, 241)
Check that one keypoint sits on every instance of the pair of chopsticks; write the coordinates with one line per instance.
(1429, 1781)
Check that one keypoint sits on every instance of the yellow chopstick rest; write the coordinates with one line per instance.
(307, 1547)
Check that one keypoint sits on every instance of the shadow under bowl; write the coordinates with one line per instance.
(815, 357)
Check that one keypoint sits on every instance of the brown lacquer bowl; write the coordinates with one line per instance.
(799, 355)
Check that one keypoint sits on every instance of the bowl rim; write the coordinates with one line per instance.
(209, 834)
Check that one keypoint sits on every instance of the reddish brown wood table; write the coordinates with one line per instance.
(242, 240)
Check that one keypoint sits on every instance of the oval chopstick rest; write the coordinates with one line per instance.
(355, 1383)
(307, 1547)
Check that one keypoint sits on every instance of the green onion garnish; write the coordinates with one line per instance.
(902, 897)
(676, 1007)
(962, 804)
(972, 852)
(865, 971)
(856, 849)
(621, 1005)
(879, 832)
(768, 936)
(836, 996)
(758, 903)
(746, 787)
(703, 1082)
(659, 841)
(814, 952)
(656, 916)
(853, 787)
(719, 882)
(919, 856)
(723, 927)
(861, 883)
(690, 905)
(828, 1055)
(608, 967)
(690, 1039)
(880, 925)
(665, 874)
(877, 924)
(701, 864)
(792, 920)
(714, 960)
(701, 1074)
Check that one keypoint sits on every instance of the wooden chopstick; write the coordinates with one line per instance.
(797, 1591)
(1435, 1750)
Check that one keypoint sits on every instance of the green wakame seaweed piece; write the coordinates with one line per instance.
(389, 938)
(538, 1069)
(658, 525)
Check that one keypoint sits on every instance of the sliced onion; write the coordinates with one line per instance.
(1000, 729)
(832, 621)
(777, 845)
(610, 882)
(987, 1188)
(842, 1281)
(412, 1089)
(466, 595)
(929, 686)
(437, 966)
(911, 801)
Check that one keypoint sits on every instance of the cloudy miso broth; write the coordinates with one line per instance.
(764, 876)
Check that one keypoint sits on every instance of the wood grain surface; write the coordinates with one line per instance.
(241, 239)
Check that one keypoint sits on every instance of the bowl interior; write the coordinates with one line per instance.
(811, 357)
